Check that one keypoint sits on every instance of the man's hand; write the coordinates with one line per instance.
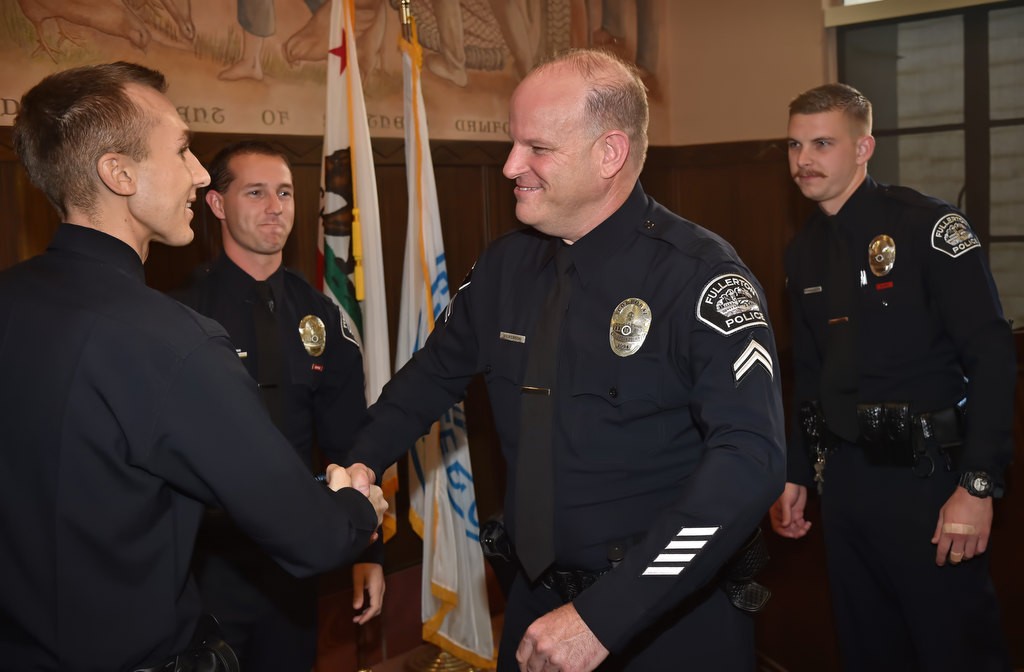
(368, 576)
(362, 477)
(787, 513)
(338, 478)
(963, 528)
(380, 504)
(560, 642)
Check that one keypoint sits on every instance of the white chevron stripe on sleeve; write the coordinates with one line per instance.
(754, 354)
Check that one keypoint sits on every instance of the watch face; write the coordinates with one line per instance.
(980, 483)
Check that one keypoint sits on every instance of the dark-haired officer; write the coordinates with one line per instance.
(309, 369)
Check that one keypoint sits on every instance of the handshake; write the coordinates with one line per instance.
(362, 478)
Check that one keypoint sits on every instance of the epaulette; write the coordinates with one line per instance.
(912, 197)
(687, 237)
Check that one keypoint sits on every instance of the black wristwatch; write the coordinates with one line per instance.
(978, 483)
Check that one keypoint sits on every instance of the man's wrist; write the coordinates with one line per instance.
(980, 484)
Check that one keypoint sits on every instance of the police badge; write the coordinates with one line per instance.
(881, 255)
(313, 334)
(631, 321)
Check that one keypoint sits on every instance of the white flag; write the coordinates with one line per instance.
(442, 501)
(350, 261)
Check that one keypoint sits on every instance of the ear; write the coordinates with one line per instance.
(117, 172)
(865, 149)
(216, 203)
(614, 148)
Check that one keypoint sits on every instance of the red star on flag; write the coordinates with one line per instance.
(341, 52)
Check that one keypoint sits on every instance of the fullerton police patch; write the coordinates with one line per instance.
(729, 303)
(953, 235)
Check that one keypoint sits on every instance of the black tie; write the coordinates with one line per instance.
(839, 377)
(535, 540)
(269, 357)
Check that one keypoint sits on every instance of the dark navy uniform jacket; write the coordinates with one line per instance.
(680, 440)
(123, 414)
(929, 332)
(324, 396)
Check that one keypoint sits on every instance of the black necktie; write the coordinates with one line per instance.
(839, 377)
(269, 355)
(535, 541)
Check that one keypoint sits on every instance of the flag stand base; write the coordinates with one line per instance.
(429, 658)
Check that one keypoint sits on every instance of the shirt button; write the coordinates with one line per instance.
(488, 368)
(612, 392)
(648, 224)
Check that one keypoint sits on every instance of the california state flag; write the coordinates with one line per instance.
(350, 261)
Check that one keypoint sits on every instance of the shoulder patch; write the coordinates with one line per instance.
(729, 303)
(466, 282)
(953, 235)
(346, 332)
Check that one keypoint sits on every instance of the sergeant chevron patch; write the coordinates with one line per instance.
(754, 354)
(680, 551)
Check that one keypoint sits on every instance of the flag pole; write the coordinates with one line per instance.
(405, 11)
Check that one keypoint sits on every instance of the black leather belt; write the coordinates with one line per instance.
(569, 583)
(891, 436)
(207, 652)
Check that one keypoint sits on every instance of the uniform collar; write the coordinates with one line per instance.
(858, 207)
(239, 283)
(102, 247)
(591, 252)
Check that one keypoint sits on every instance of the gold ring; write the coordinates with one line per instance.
(955, 557)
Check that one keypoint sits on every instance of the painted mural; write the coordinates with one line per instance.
(257, 66)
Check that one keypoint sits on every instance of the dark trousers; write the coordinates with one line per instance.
(706, 634)
(895, 609)
(267, 616)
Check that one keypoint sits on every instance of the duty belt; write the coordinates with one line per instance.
(890, 436)
(207, 652)
(569, 583)
(737, 577)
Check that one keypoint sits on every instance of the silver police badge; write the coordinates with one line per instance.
(953, 235)
(730, 303)
(313, 334)
(881, 255)
(631, 321)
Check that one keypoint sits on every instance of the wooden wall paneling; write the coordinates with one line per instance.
(29, 220)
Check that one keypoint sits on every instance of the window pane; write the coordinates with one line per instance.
(932, 163)
(1006, 62)
(1009, 275)
(913, 72)
(1007, 195)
